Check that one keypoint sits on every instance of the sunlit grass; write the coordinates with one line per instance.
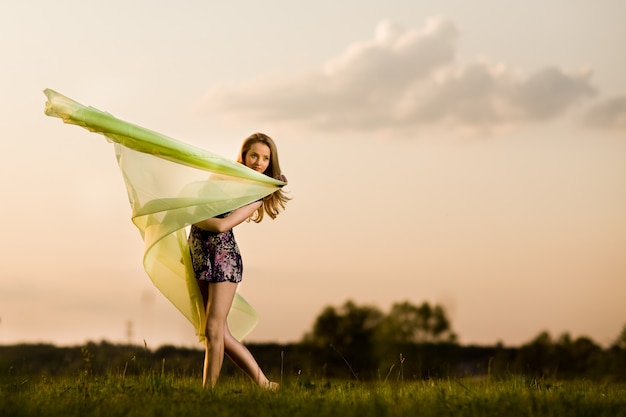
(168, 395)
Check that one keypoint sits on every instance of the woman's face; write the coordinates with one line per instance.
(258, 157)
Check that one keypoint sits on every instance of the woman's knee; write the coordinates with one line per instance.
(230, 343)
(214, 331)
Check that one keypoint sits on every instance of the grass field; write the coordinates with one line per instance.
(164, 395)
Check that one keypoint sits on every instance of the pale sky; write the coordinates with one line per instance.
(467, 153)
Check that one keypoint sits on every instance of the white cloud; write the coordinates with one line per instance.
(406, 78)
(609, 113)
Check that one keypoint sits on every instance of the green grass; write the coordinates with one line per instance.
(163, 395)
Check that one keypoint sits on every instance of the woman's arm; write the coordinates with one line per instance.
(221, 225)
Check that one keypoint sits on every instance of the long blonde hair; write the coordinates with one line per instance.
(275, 202)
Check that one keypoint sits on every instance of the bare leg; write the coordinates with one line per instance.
(242, 357)
(219, 299)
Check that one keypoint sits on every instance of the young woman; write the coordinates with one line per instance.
(218, 267)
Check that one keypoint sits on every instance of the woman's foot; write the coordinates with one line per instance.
(269, 385)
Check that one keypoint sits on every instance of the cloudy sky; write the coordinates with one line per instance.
(470, 154)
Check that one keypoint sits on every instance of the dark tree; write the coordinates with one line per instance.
(407, 323)
(365, 338)
(349, 325)
(344, 337)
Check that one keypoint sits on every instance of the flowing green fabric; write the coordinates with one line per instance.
(172, 185)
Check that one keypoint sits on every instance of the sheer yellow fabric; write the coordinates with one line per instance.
(170, 186)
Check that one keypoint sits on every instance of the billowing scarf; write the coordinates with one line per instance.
(170, 186)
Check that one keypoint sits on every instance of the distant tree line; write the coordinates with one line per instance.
(349, 341)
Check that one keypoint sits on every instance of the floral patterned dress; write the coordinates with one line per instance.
(215, 256)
